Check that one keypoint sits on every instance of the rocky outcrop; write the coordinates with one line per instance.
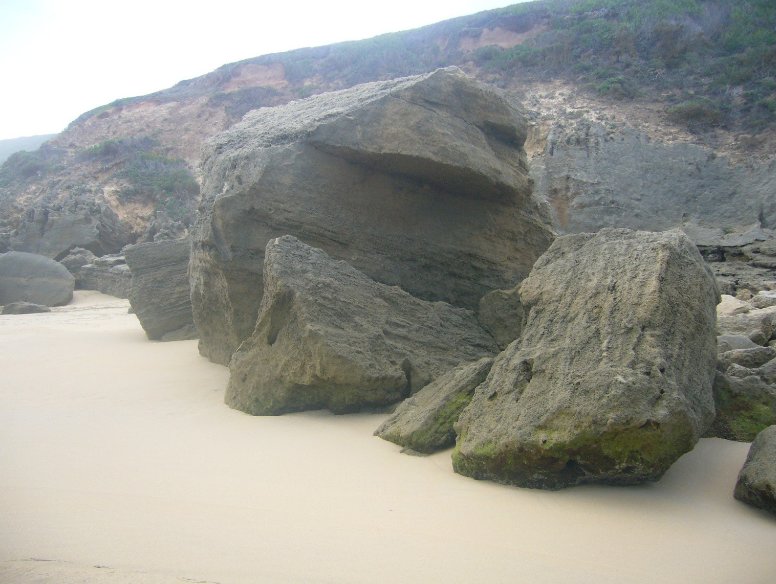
(611, 379)
(160, 288)
(23, 308)
(745, 382)
(501, 314)
(55, 232)
(108, 274)
(76, 259)
(756, 483)
(329, 336)
(599, 176)
(424, 422)
(34, 278)
(419, 182)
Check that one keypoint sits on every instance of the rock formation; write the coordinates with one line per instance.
(502, 315)
(756, 483)
(76, 259)
(597, 176)
(419, 182)
(745, 383)
(328, 336)
(108, 274)
(160, 288)
(34, 278)
(611, 379)
(54, 232)
(424, 422)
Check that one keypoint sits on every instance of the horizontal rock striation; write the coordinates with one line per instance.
(418, 182)
(160, 288)
(329, 336)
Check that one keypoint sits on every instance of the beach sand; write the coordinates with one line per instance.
(119, 463)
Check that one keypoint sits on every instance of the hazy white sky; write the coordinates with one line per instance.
(60, 58)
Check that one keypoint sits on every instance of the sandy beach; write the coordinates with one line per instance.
(119, 462)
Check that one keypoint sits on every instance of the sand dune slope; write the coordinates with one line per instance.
(119, 463)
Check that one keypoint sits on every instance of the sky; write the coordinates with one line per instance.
(61, 58)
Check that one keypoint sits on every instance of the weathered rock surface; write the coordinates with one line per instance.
(34, 278)
(745, 381)
(328, 336)
(424, 422)
(76, 259)
(108, 274)
(54, 232)
(501, 314)
(745, 399)
(419, 182)
(611, 379)
(23, 308)
(756, 483)
(597, 176)
(160, 288)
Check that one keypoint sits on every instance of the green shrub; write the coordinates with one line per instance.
(696, 114)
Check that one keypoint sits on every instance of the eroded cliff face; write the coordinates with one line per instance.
(419, 182)
(596, 175)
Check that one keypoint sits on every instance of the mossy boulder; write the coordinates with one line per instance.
(611, 380)
(745, 401)
(424, 422)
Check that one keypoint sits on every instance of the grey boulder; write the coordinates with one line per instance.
(328, 336)
(424, 422)
(33, 278)
(756, 483)
(419, 182)
(160, 288)
(611, 379)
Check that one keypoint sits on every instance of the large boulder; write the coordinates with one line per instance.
(160, 288)
(329, 336)
(425, 421)
(28, 277)
(418, 182)
(611, 379)
(756, 483)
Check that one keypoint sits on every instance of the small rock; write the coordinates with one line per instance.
(424, 422)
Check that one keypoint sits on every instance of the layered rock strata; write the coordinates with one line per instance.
(160, 288)
(419, 182)
(611, 379)
(328, 336)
